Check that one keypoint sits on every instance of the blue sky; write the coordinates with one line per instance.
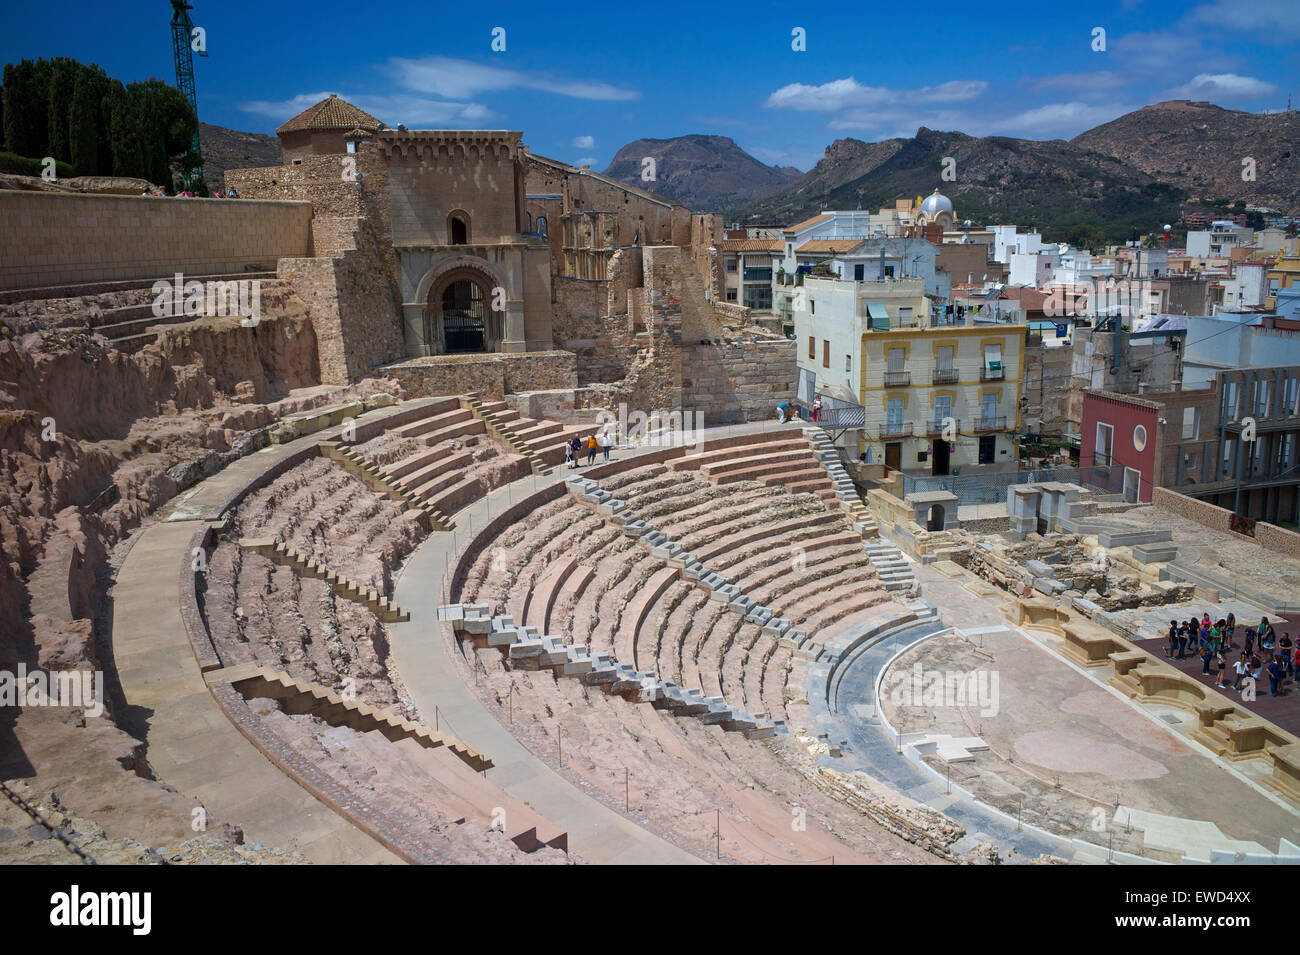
(581, 80)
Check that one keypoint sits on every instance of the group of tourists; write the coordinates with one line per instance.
(596, 441)
(1263, 654)
(784, 411)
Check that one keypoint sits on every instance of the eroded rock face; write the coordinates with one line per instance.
(92, 442)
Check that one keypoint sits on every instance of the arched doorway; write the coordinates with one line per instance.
(458, 314)
(935, 523)
(464, 314)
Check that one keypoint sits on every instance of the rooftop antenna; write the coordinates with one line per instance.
(182, 50)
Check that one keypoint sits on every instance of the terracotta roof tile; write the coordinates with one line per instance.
(331, 113)
(752, 245)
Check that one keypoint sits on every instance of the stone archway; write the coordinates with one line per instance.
(457, 296)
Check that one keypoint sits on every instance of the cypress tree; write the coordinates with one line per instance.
(24, 114)
(82, 127)
(58, 111)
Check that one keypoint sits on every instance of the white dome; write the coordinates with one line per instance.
(935, 203)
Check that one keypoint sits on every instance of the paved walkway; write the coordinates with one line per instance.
(597, 833)
(190, 743)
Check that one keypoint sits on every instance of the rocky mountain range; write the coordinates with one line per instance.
(230, 149)
(1113, 182)
(1201, 147)
(701, 172)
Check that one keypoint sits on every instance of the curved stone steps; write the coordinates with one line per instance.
(592, 607)
(728, 450)
(673, 655)
(711, 650)
(843, 592)
(627, 641)
(538, 599)
(792, 529)
(716, 515)
(835, 620)
(775, 680)
(654, 645)
(748, 561)
(707, 537)
(790, 583)
(718, 469)
(562, 609)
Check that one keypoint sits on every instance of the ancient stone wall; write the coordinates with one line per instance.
(324, 181)
(742, 382)
(492, 375)
(1202, 512)
(49, 238)
(1267, 535)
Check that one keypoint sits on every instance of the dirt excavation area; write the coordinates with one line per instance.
(93, 442)
(261, 612)
(401, 781)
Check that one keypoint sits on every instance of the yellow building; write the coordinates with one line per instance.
(942, 397)
(1285, 273)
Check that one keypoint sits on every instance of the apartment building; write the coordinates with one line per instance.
(937, 395)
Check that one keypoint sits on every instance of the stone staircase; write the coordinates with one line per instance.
(392, 488)
(692, 570)
(893, 568)
(302, 696)
(527, 649)
(846, 492)
(305, 566)
(497, 417)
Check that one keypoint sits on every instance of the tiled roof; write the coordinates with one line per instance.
(807, 222)
(752, 245)
(828, 245)
(331, 113)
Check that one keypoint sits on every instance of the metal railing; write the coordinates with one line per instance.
(990, 487)
(992, 374)
(898, 379)
(896, 429)
(938, 425)
(991, 423)
(945, 376)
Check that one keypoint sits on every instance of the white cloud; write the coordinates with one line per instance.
(461, 79)
(1058, 120)
(413, 111)
(586, 161)
(1266, 19)
(1222, 86)
(849, 93)
(584, 142)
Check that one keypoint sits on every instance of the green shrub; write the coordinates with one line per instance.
(25, 166)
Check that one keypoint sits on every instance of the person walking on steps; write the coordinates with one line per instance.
(591, 449)
(568, 456)
(575, 446)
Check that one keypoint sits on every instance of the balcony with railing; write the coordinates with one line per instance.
(945, 376)
(896, 429)
(898, 379)
(991, 423)
(937, 426)
(993, 371)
